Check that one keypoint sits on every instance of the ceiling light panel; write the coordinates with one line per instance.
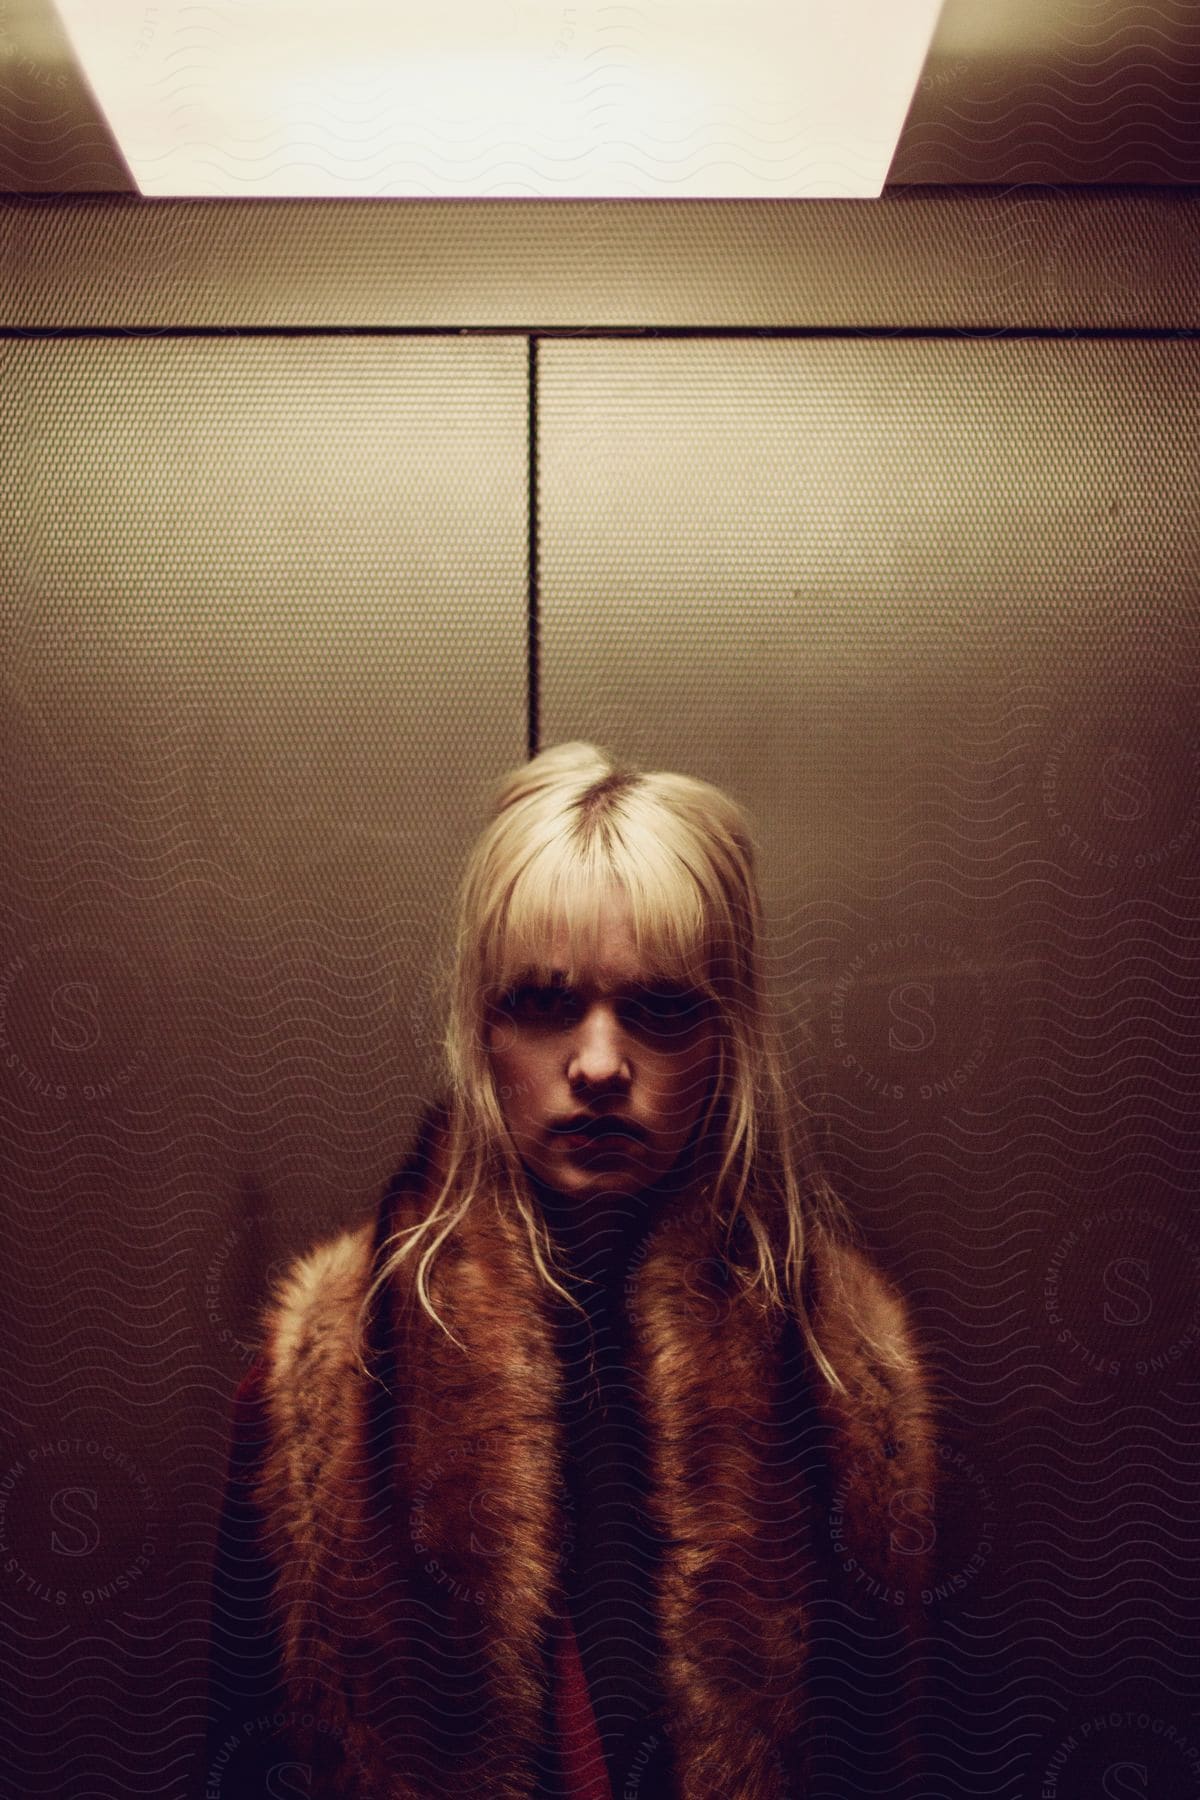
(514, 99)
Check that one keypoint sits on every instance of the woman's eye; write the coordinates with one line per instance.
(661, 1011)
(535, 1002)
(668, 1010)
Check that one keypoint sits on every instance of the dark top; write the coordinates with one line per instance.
(614, 1548)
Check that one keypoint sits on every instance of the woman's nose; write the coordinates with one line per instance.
(598, 1051)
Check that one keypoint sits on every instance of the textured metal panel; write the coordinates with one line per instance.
(261, 604)
(264, 643)
(954, 258)
(930, 610)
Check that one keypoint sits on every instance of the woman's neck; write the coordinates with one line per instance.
(594, 1232)
(597, 1233)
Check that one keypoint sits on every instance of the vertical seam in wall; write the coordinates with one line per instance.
(534, 722)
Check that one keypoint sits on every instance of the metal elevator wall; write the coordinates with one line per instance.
(924, 601)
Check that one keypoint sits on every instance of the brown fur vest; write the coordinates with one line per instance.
(416, 1522)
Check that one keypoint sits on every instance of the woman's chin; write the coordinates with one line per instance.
(603, 1171)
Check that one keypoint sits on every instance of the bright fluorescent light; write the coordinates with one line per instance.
(520, 99)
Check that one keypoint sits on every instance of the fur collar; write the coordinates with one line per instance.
(416, 1520)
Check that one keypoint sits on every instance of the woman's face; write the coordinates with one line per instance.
(622, 1051)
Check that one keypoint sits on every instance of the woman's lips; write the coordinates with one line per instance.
(599, 1143)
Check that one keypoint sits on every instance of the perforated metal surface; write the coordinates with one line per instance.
(928, 606)
(264, 641)
(930, 610)
(956, 258)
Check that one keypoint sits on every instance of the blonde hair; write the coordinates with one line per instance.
(564, 827)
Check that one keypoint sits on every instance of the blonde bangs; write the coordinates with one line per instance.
(560, 890)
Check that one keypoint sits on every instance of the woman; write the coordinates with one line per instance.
(599, 1463)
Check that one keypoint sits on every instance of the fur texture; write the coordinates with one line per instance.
(416, 1526)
